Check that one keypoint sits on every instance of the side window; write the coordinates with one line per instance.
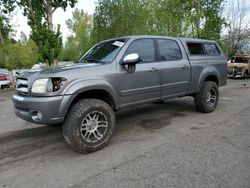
(196, 49)
(169, 50)
(145, 49)
(211, 49)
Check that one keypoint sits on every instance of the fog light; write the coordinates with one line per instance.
(36, 116)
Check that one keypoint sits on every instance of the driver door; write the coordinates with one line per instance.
(145, 83)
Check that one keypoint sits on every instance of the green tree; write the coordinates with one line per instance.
(199, 18)
(6, 7)
(39, 14)
(189, 18)
(80, 25)
(171, 17)
(70, 51)
(22, 54)
(114, 18)
(206, 19)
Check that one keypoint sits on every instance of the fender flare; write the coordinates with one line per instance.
(209, 71)
(81, 86)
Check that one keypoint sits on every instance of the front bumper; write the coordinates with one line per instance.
(235, 75)
(48, 107)
(4, 83)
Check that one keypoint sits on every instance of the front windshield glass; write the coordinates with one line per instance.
(104, 52)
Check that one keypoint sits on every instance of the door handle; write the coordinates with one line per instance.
(153, 69)
(184, 67)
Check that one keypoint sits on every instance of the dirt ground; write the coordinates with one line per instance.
(156, 145)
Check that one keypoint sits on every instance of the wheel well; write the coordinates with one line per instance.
(212, 78)
(96, 94)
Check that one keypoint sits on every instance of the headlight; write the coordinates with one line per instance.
(40, 86)
(47, 85)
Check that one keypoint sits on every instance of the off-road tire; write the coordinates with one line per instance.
(200, 99)
(72, 125)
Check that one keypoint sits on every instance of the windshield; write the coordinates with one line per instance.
(104, 52)
(239, 60)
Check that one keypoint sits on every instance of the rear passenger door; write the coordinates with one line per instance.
(175, 68)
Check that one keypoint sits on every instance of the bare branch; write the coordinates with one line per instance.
(239, 26)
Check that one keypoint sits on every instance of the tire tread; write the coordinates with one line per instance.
(69, 127)
(200, 97)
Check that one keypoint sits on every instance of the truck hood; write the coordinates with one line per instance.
(58, 69)
(239, 65)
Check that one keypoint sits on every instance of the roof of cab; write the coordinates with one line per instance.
(183, 40)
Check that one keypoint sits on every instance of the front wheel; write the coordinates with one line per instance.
(207, 98)
(89, 125)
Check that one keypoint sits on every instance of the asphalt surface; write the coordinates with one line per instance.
(156, 145)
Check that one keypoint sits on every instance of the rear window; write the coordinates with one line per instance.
(196, 49)
(211, 49)
(203, 49)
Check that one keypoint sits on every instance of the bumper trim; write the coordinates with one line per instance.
(48, 106)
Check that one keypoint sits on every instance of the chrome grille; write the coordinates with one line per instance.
(22, 86)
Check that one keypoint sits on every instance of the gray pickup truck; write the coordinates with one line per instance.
(116, 74)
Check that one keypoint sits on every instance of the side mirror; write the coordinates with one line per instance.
(129, 61)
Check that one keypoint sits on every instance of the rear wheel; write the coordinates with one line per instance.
(89, 125)
(207, 98)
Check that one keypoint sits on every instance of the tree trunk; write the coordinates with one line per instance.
(5, 51)
(198, 16)
(49, 13)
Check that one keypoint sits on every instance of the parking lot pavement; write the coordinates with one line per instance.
(156, 145)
